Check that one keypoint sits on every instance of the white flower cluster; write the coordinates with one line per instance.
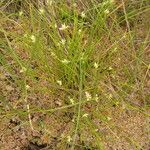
(85, 115)
(27, 87)
(23, 70)
(50, 2)
(59, 82)
(20, 13)
(96, 65)
(41, 10)
(33, 39)
(83, 15)
(63, 41)
(63, 27)
(88, 96)
(65, 61)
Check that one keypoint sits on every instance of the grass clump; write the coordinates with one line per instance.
(80, 65)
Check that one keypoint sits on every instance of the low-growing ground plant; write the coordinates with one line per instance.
(74, 74)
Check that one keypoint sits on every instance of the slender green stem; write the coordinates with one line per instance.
(79, 105)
